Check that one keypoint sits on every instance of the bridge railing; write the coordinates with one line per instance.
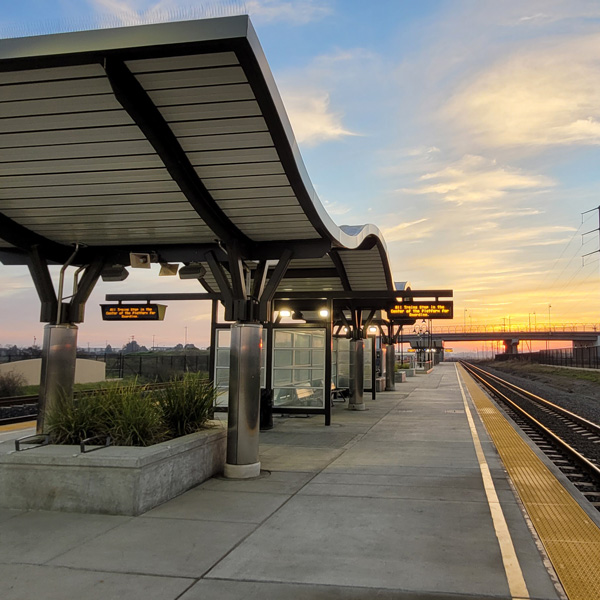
(514, 328)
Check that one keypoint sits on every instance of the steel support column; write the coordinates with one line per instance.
(328, 351)
(373, 369)
(357, 374)
(244, 401)
(390, 364)
(59, 358)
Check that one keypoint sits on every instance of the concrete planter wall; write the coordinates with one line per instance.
(118, 480)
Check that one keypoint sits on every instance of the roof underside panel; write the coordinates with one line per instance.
(243, 167)
(75, 168)
(169, 134)
(319, 276)
(364, 269)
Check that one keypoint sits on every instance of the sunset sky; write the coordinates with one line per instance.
(467, 131)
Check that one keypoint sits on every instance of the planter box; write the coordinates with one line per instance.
(118, 480)
(400, 376)
(410, 372)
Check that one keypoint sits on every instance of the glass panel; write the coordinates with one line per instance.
(223, 338)
(317, 376)
(308, 397)
(302, 340)
(283, 397)
(282, 377)
(302, 358)
(299, 386)
(283, 339)
(282, 358)
(318, 340)
(223, 399)
(302, 376)
(318, 358)
(223, 357)
(222, 378)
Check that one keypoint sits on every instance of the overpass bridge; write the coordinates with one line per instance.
(580, 334)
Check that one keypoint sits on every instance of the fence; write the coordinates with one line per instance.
(150, 366)
(588, 358)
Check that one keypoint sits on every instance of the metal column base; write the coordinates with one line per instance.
(242, 471)
(361, 406)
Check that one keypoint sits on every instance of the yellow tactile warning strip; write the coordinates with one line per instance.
(17, 426)
(571, 538)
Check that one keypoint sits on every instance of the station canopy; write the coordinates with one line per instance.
(168, 139)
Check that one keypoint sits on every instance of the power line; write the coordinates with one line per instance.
(592, 231)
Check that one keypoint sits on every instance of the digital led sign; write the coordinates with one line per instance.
(423, 310)
(133, 312)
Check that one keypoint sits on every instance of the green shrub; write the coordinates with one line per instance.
(69, 422)
(128, 413)
(187, 403)
(11, 384)
(132, 416)
(405, 365)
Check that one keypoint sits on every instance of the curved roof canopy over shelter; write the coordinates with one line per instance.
(171, 140)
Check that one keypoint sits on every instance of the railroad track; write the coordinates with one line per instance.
(570, 441)
(20, 409)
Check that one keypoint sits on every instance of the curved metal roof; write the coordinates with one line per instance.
(168, 138)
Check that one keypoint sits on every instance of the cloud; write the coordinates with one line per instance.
(542, 95)
(334, 208)
(312, 119)
(136, 12)
(299, 12)
(476, 179)
(406, 231)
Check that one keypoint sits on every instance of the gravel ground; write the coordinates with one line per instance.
(564, 389)
(561, 386)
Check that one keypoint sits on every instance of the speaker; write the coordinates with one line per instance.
(192, 271)
(168, 269)
(114, 273)
(140, 260)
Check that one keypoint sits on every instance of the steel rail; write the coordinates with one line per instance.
(589, 466)
(589, 425)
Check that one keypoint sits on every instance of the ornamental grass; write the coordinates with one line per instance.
(134, 415)
(186, 404)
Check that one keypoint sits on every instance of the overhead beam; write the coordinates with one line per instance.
(134, 99)
(21, 237)
(366, 294)
(38, 268)
(308, 273)
(164, 297)
(264, 302)
(341, 269)
(84, 289)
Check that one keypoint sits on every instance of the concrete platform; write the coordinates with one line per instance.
(385, 503)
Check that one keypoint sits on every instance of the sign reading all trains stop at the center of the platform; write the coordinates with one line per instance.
(423, 310)
(133, 312)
